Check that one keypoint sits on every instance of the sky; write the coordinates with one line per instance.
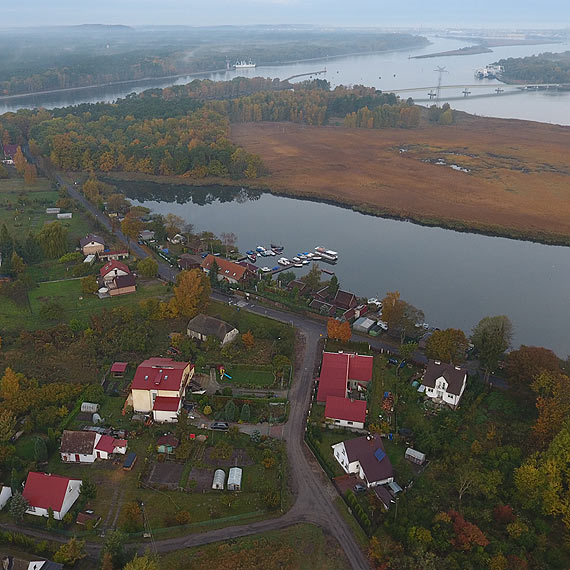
(370, 13)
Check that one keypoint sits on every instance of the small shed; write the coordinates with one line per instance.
(65, 216)
(415, 456)
(90, 259)
(89, 407)
(166, 444)
(363, 324)
(130, 460)
(234, 479)
(118, 369)
(219, 479)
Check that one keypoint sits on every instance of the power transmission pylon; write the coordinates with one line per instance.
(441, 71)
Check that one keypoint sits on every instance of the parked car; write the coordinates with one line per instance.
(221, 426)
(358, 488)
(393, 360)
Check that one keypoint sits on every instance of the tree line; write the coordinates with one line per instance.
(541, 68)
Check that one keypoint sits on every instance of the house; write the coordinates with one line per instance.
(189, 261)
(345, 412)
(118, 369)
(10, 150)
(12, 563)
(44, 491)
(87, 446)
(300, 286)
(113, 269)
(227, 270)
(146, 235)
(203, 327)
(110, 255)
(91, 244)
(5, 494)
(122, 285)
(345, 300)
(342, 372)
(177, 239)
(445, 383)
(161, 379)
(78, 446)
(166, 444)
(365, 456)
(323, 307)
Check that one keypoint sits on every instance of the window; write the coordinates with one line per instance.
(349, 423)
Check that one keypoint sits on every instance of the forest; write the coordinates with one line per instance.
(80, 56)
(184, 130)
(542, 68)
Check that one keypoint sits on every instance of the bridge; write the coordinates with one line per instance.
(504, 86)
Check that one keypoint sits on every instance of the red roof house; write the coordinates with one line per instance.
(119, 368)
(44, 491)
(227, 270)
(107, 445)
(113, 269)
(351, 411)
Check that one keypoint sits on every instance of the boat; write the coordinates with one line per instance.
(296, 259)
(277, 248)
(301, 256)
(283, 261)
(259, 248)
(244, 64)
(317, 257)
(298, 264)
(265, 269)
(327, 254)
(252, 257)
(305, 262)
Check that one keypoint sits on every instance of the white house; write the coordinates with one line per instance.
(346, 412)
(365, 457)
(87, 446)
(445, 383)
(202, 327)
(44, 491)
(5, 494)
(159, 387)
(113, 269)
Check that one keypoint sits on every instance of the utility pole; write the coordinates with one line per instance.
(440, 70)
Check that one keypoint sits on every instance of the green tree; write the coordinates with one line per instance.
(334, 285)
(526, 363)
(145, 562)
(51, 311)
(313, 278)
(17, 264)
(148, 267)
(449, 345)
(230, 411)
(18, 506)
(245, 413)
(50, 523)
(213, 274)
(115, 548)
(89, 285)
(131, 517)
(53, 239)
(407, 350)
(40, 450)
(7, 423)
(491, 337)
(70, 552)
(88, 489)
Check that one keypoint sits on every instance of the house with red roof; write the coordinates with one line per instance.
(227, 270)
(159, 387)
(342, 374)
(113, 269)
(87, 446)
(365, 457)
(45, 490)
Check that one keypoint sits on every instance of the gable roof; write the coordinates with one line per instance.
(338, 368)
(107, 443)
(111, 266)
(159, 374)
(89, 238)
(453, 375)
(345, 299)
(209, 326)
(119, 366)
(166, 404)
(167, 440)
(81, 442)
(44, 490)
(338, 408)
(189, 260)
(364, 450)
(123, 281)
(301, 286)
(226, 268)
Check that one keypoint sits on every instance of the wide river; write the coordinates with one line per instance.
(455, 278)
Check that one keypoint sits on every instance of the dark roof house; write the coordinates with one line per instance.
(454, 375)
(81, 442)
(205, 326)
(369, 452)
(91, 238)
(189, 261)
(345, 299)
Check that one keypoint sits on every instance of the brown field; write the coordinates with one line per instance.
(518, 181)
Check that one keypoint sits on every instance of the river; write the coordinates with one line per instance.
(386, 71)
(455, 278)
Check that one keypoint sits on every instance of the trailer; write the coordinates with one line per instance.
(130, 461)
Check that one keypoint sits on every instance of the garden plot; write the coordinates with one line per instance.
(238, 457)
(165, 474)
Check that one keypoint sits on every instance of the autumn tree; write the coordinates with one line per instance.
(10, 384)
(7, 424)
(118, 203)
(17, 264)
(191, 292)
(526, 363)
(145, 562)
(70, 552)
(20, 161)
(173, 224)
(89, 285)
(131, 227)
(30, 174)
(448, 345)
(392, 309)
(491, 337)
(131, 517)
(248, 340)
(467, 534)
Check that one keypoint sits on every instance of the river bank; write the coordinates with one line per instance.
(469, 50)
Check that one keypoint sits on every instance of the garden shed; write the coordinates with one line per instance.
(234, 479)
(219, 479)
(415, 456)
(363, 324)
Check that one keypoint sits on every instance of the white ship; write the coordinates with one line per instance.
(244, 64)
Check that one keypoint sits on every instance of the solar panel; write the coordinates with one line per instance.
(379, 454)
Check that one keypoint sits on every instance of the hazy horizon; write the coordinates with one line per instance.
(358, 13)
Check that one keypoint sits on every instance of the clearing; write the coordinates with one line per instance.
(493, 175)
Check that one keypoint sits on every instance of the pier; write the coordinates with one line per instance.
(306, 74)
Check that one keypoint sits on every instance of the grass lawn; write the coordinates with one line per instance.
(328, 437)
(301, 547)
(25, 447)
(249, 377)
(350, 346)
(75, 305)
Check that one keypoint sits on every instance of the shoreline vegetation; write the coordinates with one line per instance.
(468, 50)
